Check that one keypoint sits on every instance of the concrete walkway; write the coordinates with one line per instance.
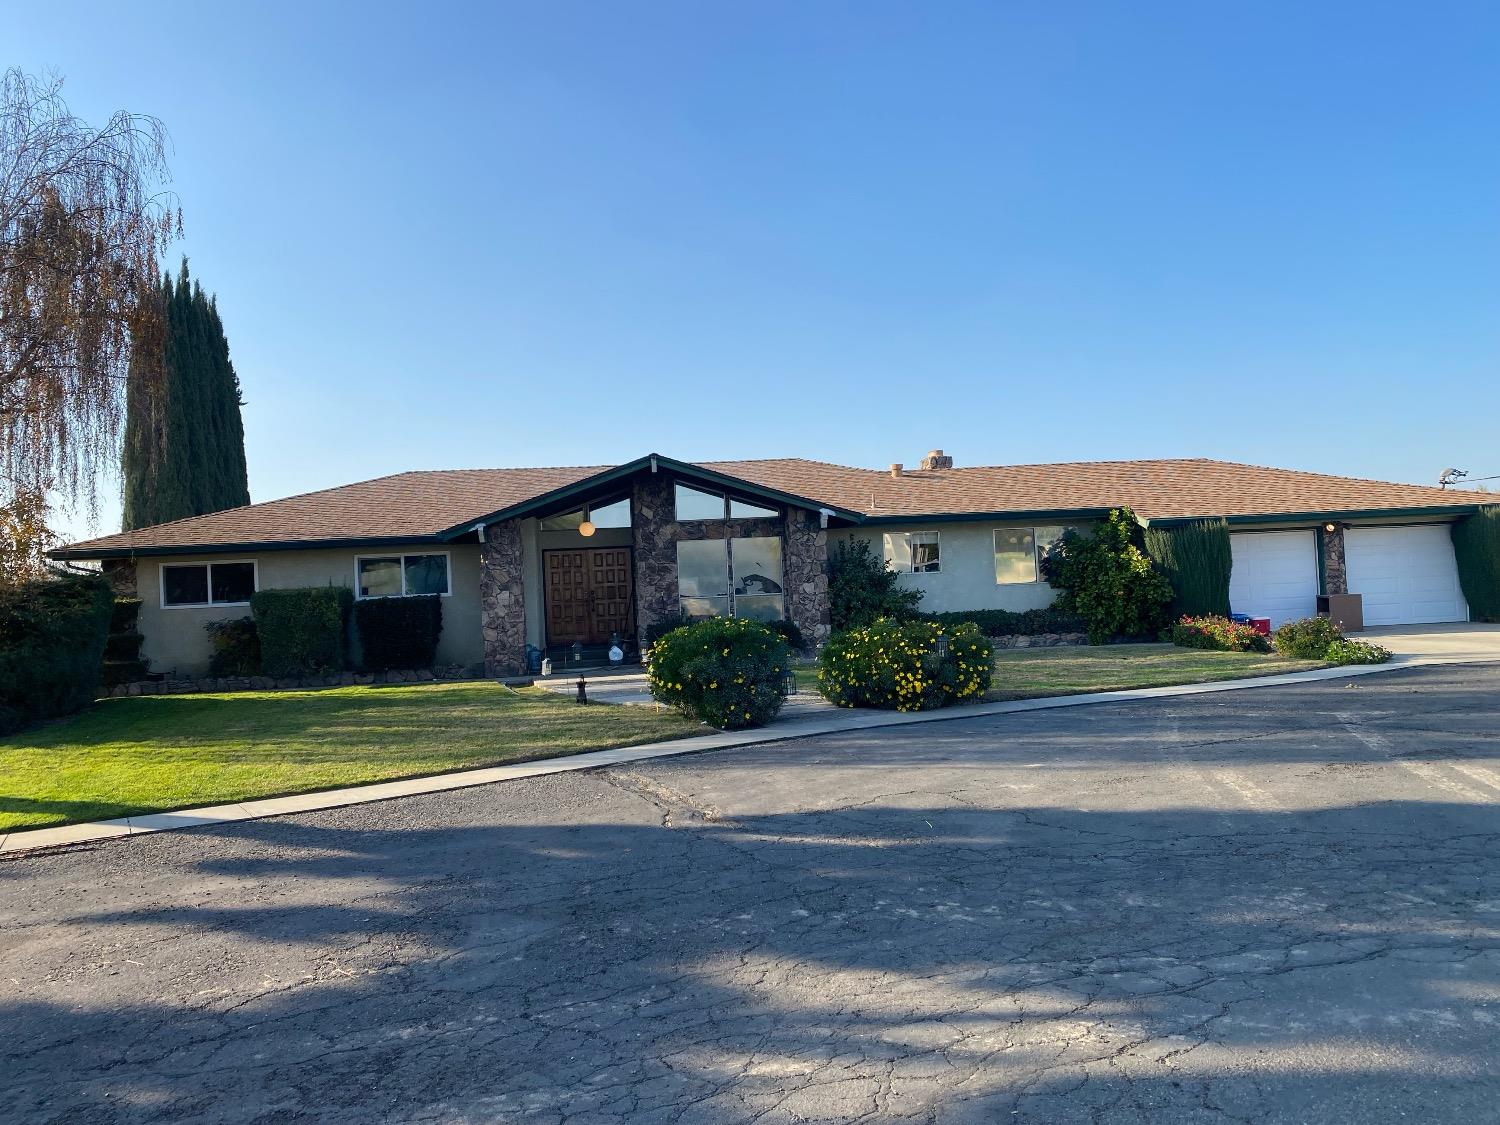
(795, 722)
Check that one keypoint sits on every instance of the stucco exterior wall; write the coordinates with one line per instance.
(176, 642)
(967, 579)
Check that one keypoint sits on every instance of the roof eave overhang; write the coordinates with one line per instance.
(1060, 514)
(84, 553)
(652, 462)
(1251, 519)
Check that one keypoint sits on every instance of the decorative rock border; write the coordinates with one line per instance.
(1039, 640)
(269, 683)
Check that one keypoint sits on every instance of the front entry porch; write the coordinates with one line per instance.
(590, 604)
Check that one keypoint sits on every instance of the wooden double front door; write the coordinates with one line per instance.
(590, 595)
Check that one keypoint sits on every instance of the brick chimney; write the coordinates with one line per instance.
(896, 468)
(936, 460)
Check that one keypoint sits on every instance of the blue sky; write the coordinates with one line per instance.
(447, 236)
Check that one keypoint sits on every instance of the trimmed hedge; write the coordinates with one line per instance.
(1196, 559)
(1009, 623)
(1476, 546)
(52, 636)
(729, 672)
(236, 647)
(302, 632)
(905, 666)
(399, 632)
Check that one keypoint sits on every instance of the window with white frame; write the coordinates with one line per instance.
(203, 584)
(401, 576)
(914, 552)
(1019, 552)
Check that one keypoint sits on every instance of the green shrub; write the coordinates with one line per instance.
(905, 666)
(1356, 652)
(1010, 623)
(1107, 580)
(302, 632)
(399, 632)
(52, 636)
(1218, 634)
(664, 625)
(787, 630)
(862, 589)
(1308, 639)
(1195, 558)
(730, 672)
(235, 647)
(1476, 546)
(122, 650)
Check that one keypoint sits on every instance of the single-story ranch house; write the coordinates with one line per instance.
(554, 557)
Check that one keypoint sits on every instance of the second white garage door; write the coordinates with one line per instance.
(1406, 575)
(1275, 574)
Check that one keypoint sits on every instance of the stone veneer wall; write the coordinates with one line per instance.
(502, 600)
(1335, 573)
(807, 575)
(655, 532)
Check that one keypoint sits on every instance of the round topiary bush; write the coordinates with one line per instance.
(911, 666)
(729, 672)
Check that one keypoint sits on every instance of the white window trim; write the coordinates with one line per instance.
(911, 554)
(161, 583)
(403, 556)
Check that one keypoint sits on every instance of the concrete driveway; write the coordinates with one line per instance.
(1279, 905)
(1460, 642)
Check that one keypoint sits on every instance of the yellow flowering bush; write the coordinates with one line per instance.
(910, 666)
(729, 672)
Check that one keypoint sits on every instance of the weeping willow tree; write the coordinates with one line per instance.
(84, 219)
(1196, 559)
(1476, 546)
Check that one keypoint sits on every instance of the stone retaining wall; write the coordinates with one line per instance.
(1040, 640)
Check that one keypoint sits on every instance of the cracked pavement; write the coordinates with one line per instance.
(1279, 905)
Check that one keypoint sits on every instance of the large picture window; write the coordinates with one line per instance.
(739, 577)
(1019, 552)
(402, 576)
(199, 584)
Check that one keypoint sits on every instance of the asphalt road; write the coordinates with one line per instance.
(1279, 905)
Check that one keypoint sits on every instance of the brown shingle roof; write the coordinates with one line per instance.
(420, 505)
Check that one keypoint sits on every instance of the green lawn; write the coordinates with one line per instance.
(154, 753)
(1026, 673)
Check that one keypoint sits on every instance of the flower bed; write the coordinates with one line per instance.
(1218, 634)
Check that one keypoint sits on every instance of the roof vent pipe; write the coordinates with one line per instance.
(896, 468)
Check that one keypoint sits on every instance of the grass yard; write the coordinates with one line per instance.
(1026, 673)
(154, 753)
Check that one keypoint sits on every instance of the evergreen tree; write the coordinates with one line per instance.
(184, 452)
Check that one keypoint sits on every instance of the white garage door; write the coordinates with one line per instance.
(1406, 575)
(1275, 574)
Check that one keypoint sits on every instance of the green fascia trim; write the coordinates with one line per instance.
(1050, 515)
(588, 485)
(75, 554)
(1455, 510)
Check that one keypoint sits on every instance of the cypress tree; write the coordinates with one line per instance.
(184, 451)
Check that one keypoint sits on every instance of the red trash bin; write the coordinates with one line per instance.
(1261, 625)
